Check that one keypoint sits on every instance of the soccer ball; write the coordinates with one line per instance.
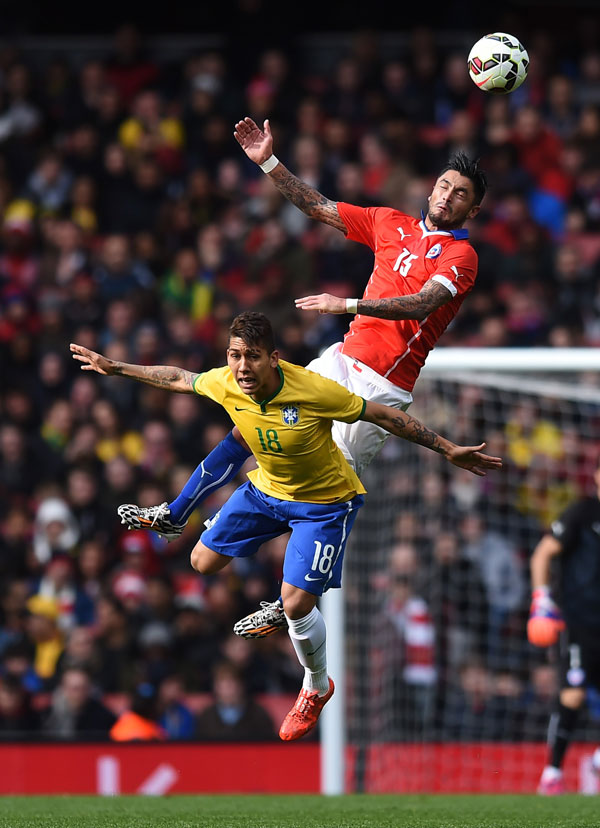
(498, 63)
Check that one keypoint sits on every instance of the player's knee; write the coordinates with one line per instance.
(196, 559)
(200, 561)
(297, 603)
(206, 561)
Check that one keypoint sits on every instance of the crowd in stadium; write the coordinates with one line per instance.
(132, 223)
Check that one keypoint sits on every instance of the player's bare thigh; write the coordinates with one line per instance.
(207, 561)
(297, 603)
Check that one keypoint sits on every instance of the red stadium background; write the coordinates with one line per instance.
(161, 769)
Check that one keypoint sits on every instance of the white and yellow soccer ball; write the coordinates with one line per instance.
(498, 63)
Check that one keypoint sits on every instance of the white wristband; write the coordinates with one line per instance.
(351, 305)
(269, 164)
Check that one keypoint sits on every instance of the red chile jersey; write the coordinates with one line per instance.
(407, 255)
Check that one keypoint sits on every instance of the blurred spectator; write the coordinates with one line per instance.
(44, 633)
(502, 574)
(587, 83)
(233, 716)
(16, 469)
(537, 145)
(118, 276)
(540, 699)
(139, 722)
(116, 644)
(58, 583)
(75, 712)
(154, 644)
(18, 719)
(21, 117)
(83, 492)
(93, 562)
(129, 68)
(55, 529)
(457, 600)
(410, 665)
(466, 715)
(81, 650)
(149, 132)
(49, 184)
(561, 111)
(15, 543)
(175, 717)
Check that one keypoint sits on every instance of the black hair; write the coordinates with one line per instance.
(253, 328)
(462, 164)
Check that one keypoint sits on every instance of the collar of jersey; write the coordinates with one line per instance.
(461, 233)
(263, 403)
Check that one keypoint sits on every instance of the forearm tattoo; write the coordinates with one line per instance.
(413, 430)
(415, 306)
(306, 198)
(160, 376)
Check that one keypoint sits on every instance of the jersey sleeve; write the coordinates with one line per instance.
(361, 222)
(565, 529)
(457, 269)
(334, 402)
(211, 384)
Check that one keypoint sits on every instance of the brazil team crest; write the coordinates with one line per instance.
(290, 414)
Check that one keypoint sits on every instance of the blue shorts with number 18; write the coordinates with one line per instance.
(315, 551)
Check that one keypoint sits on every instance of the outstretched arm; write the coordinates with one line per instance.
(160, 376)
(541, 560)
(258, 145)
(414, 306)
(403, 425)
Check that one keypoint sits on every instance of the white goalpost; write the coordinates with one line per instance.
(436, 685)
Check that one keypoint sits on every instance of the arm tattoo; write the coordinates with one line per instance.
(159, 376)
(416, 432)
(414, 306)
(306, 198)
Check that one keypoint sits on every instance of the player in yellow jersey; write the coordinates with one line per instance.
(289, 431)
(303, 483)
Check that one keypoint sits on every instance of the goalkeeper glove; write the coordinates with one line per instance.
(545, 619)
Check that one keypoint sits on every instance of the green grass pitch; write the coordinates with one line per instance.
(359, 811)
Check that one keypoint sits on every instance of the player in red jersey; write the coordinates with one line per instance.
(422, 271)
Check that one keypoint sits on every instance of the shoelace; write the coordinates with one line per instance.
(268, 605)
(303, 702)
(160, 512)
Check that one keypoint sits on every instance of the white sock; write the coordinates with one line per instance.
(309, 635)
(550, 773)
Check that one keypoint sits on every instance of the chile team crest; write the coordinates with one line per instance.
(290, 414)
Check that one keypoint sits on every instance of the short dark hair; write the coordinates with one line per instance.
(253, 328)
(462, 164)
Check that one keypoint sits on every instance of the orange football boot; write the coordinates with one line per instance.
(304, 714)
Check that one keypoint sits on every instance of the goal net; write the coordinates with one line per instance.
(443, 691)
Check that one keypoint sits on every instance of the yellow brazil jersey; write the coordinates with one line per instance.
(290, 433)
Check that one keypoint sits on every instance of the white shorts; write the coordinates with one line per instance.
(359, 441)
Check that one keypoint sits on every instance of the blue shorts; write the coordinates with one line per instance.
(315, 551)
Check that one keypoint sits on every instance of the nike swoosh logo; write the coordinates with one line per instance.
(310, 578)
(317, 650)
(240, 409)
